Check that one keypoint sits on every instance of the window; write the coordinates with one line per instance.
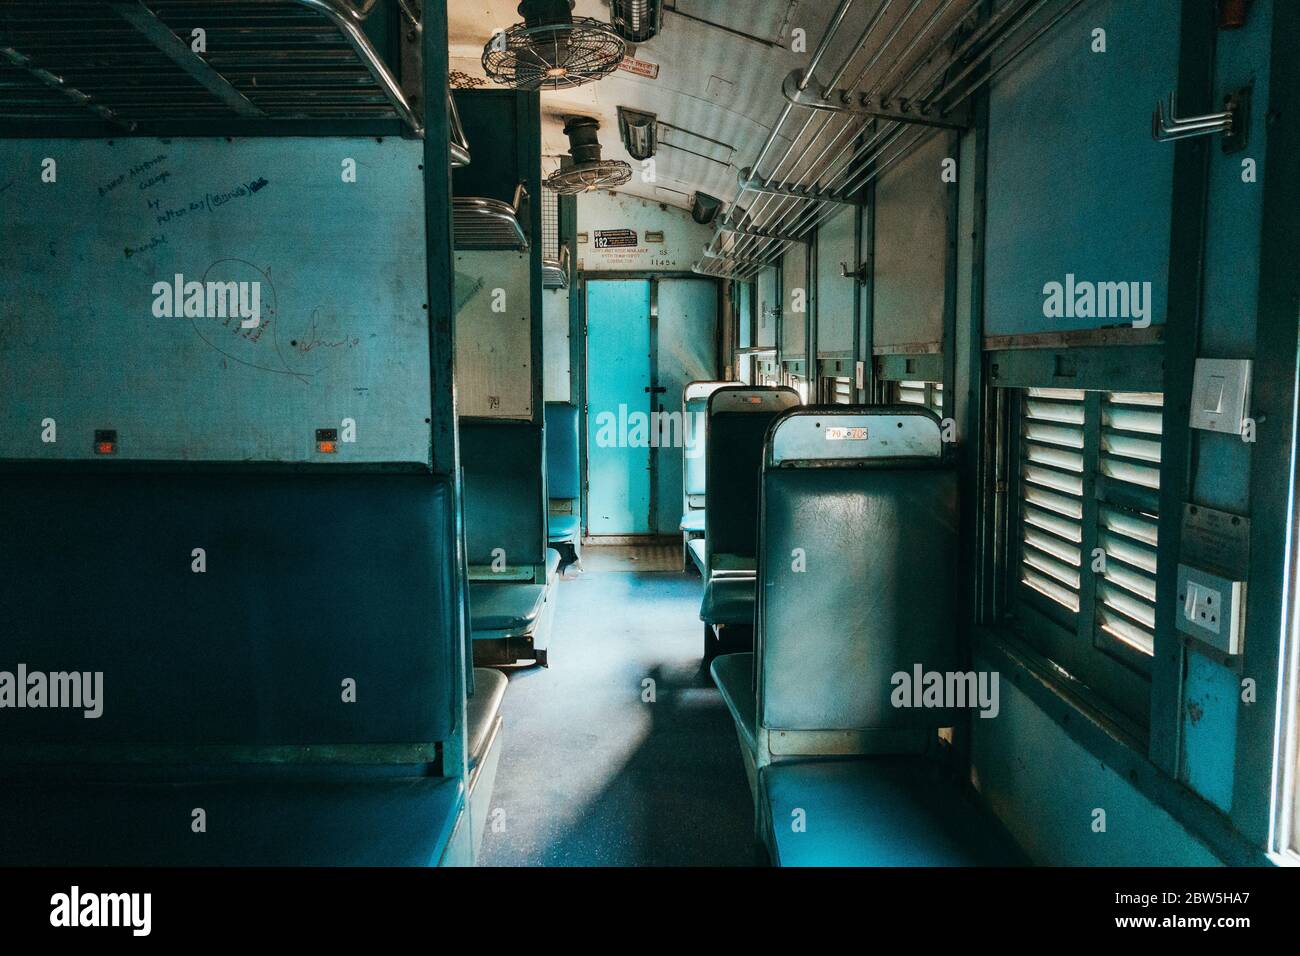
(836, 390)
(1086, 528)
(929, 394)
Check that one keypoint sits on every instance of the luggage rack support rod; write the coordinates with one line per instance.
(864, 165)
(348, 19)
(147, 24)
(59, 84)
(836, 19)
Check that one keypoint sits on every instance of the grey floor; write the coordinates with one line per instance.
(592, 775)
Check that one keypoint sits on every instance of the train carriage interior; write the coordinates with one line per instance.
(661, 433)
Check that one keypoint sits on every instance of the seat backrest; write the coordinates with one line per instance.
(856, 568)
(505, 492)
(738, 419)
(309, 580)
(695, 416)
(562, 451)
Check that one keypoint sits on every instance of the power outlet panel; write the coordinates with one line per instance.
(1210, 608)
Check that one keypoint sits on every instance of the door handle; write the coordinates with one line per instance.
(656, 389)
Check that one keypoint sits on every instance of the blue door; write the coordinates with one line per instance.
(686, 317)
(618, 403)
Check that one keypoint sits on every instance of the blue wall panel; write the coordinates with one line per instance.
(685, 352)
(834, 292)
(1075, 182)
(911, 222)
(342, 333)
(1045, 787)
(1209, 738)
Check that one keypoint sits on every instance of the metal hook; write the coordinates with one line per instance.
(1233, 122)
(859, 274)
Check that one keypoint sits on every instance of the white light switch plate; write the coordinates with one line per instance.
(1220, 393)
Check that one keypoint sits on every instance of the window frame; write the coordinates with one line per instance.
(1117, 674)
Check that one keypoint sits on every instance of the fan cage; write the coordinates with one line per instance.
(554, 56)
(605, 174)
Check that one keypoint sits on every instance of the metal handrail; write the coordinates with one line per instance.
(348, 18)
(836, 19)
(481, 222)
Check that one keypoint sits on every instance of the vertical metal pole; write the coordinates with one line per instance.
(444, 451)
(1182, 341)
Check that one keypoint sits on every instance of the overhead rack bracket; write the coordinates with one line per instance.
(850, 103)
(755, 185)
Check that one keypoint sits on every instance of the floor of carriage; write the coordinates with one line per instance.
(601, 768)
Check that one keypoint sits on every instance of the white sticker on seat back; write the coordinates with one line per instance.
(846, 434)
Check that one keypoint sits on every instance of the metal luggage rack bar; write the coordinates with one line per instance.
(483, 223)
(555, 271)
(129, 66)
(914, 66)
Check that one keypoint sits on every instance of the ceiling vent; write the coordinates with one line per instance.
(588, 170)
(636, 20)
(552, 49)
(639, 132)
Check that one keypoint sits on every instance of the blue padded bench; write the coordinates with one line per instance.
(563, 529)
(402, 821)
(483, 725)
(695, 417)
(564, 494)
(881, 811)
(867, 495)
(692, 523)
(738, 418)
(509, 608)
(513, 574)
(698, 554)
(510, 620)
(226, 685)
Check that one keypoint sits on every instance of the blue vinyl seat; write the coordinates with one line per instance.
(840, 775)
(563, 483)
(695, 417)
(253, 723)
(373, 820)
(738, 418)
(882, 811)
(513, 575)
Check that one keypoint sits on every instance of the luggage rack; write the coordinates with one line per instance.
(87, 67)
(905, 72)
(483, 223)
(555, 272)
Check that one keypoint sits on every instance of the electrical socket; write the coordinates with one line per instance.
(1210, 608)
(1202, 605)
